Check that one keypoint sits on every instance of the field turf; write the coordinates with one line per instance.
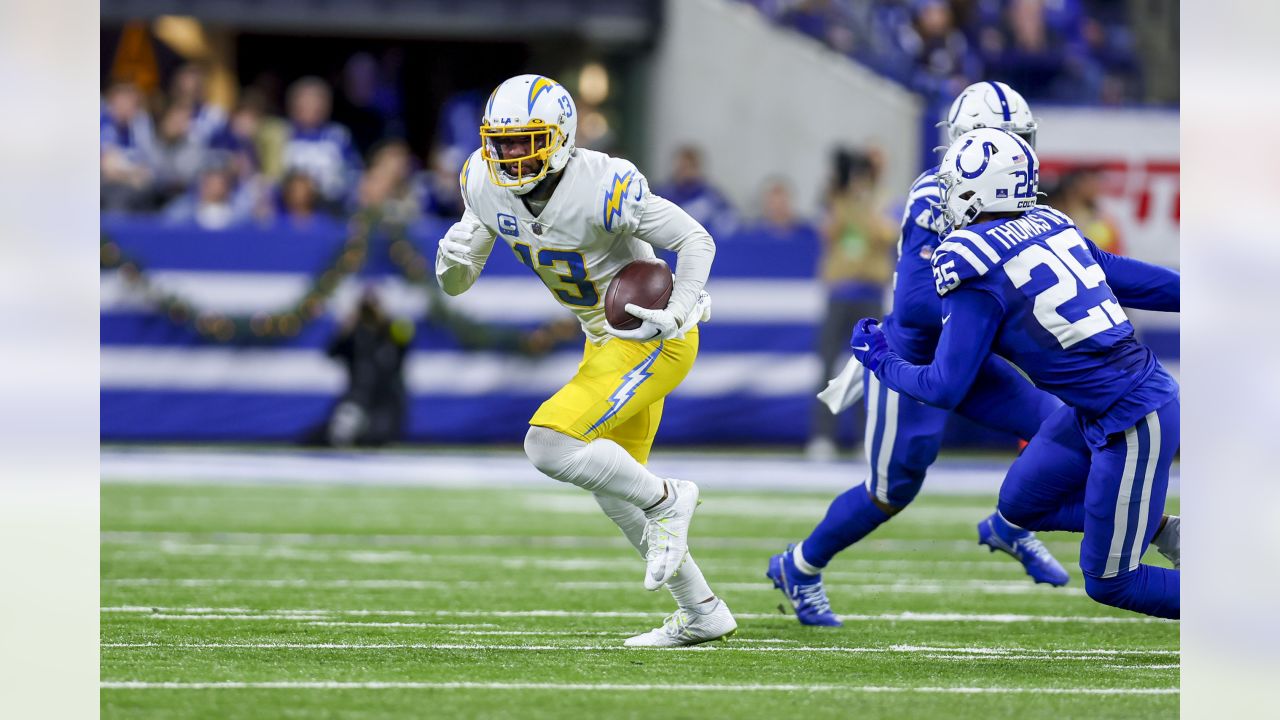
(291, 601)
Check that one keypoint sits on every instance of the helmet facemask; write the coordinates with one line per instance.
(519, 157)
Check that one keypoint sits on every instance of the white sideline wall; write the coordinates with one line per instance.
(780, 112)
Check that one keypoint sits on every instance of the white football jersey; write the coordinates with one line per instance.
(581, 239)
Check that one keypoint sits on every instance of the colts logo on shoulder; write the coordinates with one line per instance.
(507, 225)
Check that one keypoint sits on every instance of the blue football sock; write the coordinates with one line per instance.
(850, 518)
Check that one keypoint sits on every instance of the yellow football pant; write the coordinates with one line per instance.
(618, 392)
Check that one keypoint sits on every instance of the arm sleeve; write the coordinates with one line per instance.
(1137, 284)
(665, 225)
(972, 318)
(457, 279)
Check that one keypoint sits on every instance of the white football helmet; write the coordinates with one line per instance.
(990, 104)
(987, 170)
(529, 127)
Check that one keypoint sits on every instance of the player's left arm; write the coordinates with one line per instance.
(971, 319)
(665, 225)
(1139, 285)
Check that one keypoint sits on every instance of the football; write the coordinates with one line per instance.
(646, 283)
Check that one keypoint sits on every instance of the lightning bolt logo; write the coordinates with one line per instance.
(462, 176)
(538, 87)
(613, 200)
(627, 388)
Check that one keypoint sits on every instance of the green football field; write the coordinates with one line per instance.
(284, 601)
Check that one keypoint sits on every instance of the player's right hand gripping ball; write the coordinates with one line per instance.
(642, 283)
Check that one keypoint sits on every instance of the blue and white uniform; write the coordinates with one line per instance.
(1034, 291)
(903, 435)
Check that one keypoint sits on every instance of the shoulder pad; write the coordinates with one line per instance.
(473, 165)
(620, 196)
(962, 256)
(922, 199)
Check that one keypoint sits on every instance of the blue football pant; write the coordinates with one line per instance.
(1114, 494)
(903, 435)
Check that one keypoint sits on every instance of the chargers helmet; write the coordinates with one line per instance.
(987, 170)
(528, 130)
(993, 105)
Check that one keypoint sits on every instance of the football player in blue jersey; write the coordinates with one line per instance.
(903, 435)
(1017, 280)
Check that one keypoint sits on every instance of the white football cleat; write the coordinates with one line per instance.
(688, 627)
(1169, 541)
(666, 534)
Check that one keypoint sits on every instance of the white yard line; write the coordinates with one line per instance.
(966, 653)
(563, 687)
(907, 586)
(380, 557)
(197, 613)
(468, 540)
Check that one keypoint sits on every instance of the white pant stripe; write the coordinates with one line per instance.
(869, 433)
(1153, 458)
(1121, 524)
(885, 452)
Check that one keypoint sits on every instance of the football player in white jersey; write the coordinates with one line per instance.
(576, 217)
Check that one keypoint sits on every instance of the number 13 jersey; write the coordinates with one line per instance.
(1062, 325)
(583, 236)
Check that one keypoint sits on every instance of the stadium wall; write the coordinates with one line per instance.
(756, 114)
(753, 382)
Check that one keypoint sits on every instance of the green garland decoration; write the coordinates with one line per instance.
(260, 326)
(268, 326)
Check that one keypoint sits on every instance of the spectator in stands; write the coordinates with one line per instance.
(367, 106)
(825, 20)
(180, 155)
(778, 219)
(188, 89)
(255, 136)
(391, 184)
(442, 193)
(690, 189)
(300, 202)
(318, 147)
(127, 147)
(1077, 194)
(856, 266)
(214, 204)
(937, 58)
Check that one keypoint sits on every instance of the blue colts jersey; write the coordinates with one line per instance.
(915, 323)
(1061, 323)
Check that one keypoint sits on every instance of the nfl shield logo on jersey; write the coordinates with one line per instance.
(1002, 192)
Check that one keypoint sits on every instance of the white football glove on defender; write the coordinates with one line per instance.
(455, 246)
(661, 324)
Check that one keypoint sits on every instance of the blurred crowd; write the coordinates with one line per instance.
(1073, 51)
(177, 155)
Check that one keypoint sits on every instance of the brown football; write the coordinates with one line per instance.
(646, 283)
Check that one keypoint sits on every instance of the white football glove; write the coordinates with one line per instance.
(455, 246)
(661, 324)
